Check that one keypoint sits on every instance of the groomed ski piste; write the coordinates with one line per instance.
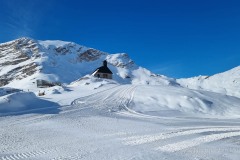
(113, 121)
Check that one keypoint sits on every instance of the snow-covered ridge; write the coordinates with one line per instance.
(24, 60)
(226, 83)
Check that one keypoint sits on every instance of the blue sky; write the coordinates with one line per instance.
(171, 37)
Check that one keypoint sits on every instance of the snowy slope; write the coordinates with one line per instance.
(125, 122)
(226, 83)
(175, 101)
(24, 60)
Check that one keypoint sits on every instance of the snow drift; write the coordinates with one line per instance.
(177, 101)
(20, 102)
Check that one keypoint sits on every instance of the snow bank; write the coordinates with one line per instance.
(6, 90)
(175, 101)
(25, 102)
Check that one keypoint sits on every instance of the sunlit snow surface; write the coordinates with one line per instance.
(103, 120)
(226, 83)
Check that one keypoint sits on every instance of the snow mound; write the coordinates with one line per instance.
(25, 102)
(176, 101)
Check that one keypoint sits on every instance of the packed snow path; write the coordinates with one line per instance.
(113, 99)
(104, 125)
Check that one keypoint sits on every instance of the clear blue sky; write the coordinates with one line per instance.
(177, 38)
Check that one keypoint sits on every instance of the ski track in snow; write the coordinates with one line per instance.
(195, 142)
(183, 144)
(116, 95)
(120, 96)
(118, 100)
(137, 140)
(123, 97)
(26, 155)
(67, 109)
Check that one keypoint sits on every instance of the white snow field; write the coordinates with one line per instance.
(113, 121)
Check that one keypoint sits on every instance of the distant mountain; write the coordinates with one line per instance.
(226, 83)
(24, 60)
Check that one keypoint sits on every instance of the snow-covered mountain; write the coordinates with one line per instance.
(226, 83)
(25, 60)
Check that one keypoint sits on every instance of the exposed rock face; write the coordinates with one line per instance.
(121, 60)
(66, 49)
(90, 55)
(18, 73)
(16, 59)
